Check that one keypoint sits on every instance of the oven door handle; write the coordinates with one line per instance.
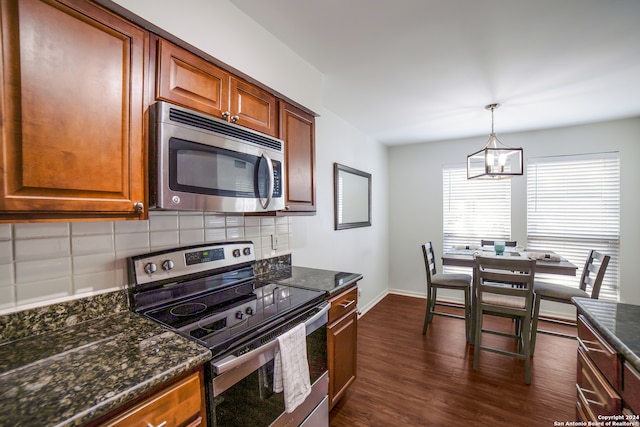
(267, 351)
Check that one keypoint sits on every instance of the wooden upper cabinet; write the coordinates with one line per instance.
(186, 79)
(253, 107)
(72, 112)
(297, 129)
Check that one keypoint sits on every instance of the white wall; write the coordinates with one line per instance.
(361, 250)
(415, 193)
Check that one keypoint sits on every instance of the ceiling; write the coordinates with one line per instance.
(409, 71)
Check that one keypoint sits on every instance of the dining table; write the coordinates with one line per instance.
(546, 262)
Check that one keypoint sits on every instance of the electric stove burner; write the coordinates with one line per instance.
(188, 309)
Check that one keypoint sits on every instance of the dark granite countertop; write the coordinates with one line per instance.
(71, 375)
(332, 282)
(618, 323)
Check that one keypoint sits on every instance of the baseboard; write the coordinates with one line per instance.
(363, 310)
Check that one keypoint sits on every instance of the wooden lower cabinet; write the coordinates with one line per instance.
(342, 343)
(631, 389)
(72, 107)
(180, 404)
(606, 384)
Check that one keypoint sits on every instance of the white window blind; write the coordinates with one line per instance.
(573, 206)
(474, 209)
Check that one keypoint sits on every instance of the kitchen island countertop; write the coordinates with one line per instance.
(617, 323)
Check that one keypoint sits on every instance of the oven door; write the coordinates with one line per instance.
(240, 389)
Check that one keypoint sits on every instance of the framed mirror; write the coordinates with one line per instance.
(352, 197)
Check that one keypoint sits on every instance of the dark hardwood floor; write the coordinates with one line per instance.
(409, 379)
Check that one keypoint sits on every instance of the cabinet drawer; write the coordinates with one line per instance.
(595, 395)
(631, 387)
(604, 357)
(343, 304)
(175, 406)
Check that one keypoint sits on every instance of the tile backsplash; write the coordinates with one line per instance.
(44, 263)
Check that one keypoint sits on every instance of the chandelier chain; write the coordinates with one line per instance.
(492, 108)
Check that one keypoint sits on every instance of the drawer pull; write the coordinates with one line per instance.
(583, 344)
(162, 424)
(590, 402)
(347, 304)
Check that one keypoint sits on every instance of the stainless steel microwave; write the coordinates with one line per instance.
(202, 163)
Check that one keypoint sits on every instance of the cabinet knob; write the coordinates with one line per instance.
(162, 424)
(150, 268)
(138, 206)
(225, 115)
(234, 119)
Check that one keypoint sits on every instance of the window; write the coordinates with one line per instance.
(474, 209)
(573, 206)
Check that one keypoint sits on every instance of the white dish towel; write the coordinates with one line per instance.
(291, 370)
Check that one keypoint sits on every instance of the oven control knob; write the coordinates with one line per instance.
(150, 268)
(236, 253)
(246, 251)
(239, 315)
(249, 311)
(167, 265)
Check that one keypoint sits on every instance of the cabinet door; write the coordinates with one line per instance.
(190, 81)
(297, 129)
(72, 108)
(181, 404)
(342, 355)
(253, 107)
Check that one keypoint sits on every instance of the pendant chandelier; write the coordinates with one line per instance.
(495, 160)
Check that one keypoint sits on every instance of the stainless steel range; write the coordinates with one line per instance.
(209, 294)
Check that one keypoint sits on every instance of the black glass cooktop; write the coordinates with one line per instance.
(218, 317)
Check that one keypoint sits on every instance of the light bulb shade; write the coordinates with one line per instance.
(494, 163)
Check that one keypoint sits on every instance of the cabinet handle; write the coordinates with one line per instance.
(583, 344)
(138, 206)
(162, 424)
(226, 115)
(347, 304)
(234, 119)
(590, 402)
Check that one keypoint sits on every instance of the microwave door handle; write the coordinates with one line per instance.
(271, 182)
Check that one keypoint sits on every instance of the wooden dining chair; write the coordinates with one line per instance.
(509, 244)
(495, 297)
(589, 287)
(435, 281)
